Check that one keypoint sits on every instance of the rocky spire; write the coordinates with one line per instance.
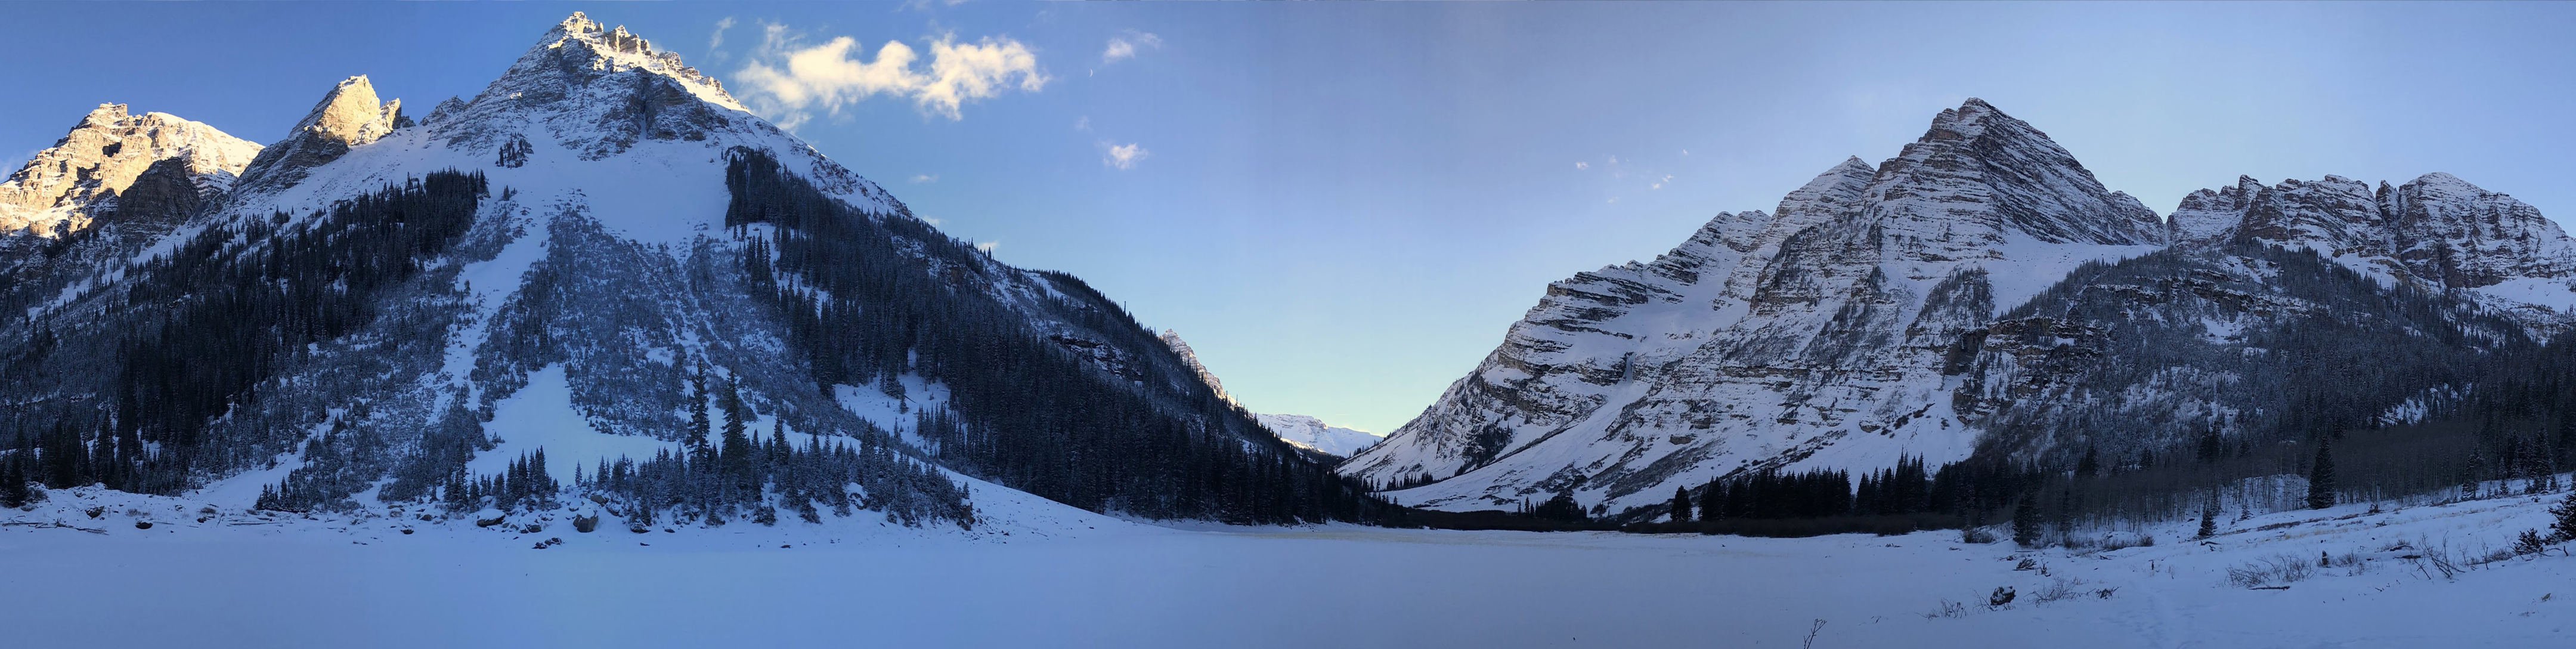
(70, 183)
(347, 117)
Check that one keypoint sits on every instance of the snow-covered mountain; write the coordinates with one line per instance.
(1311, 433)
(79, 178)
(587, 257)
(150, 166)
(1889, 311)
(2437, 231)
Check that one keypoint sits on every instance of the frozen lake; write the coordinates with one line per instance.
(1107, 583)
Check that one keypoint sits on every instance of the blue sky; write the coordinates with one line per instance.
(1344, 206)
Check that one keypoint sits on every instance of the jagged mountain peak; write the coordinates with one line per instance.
(1976, 163)
(600, 91)
(1810, 336)
(351, 112)
(103, 115)
(1832, 192)
(2443, 186)
(579, 51)
(70, 183)
(350, 115)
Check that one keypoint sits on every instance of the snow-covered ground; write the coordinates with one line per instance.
(1043, 575)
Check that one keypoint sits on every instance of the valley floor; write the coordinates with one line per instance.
(239, 580)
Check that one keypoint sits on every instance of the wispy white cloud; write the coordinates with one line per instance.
(787, 81)
(1124, 46)
(925, 6)
(1122, 156)
(717, 40)
(925, 178)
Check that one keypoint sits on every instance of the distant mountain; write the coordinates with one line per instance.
(1311, 433)
(1982, 294)
(600, 267)
(1298, 430)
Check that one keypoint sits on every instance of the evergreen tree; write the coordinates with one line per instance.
(2025, 523)
(2563, 524)
(1560, 507)
(2473, 481)
(699, 426)
(2321, 477)
(1681, 505)
(2209, 516)
(1712, 505)
(13, 482)
(735, 457)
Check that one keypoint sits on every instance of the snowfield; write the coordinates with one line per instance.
(1040, 574)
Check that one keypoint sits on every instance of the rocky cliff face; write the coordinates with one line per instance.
(78, 180)
(1979, 293)
(2437, 232)
(1772, 340)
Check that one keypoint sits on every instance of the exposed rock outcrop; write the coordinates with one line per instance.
(75, 181)
(348, 116)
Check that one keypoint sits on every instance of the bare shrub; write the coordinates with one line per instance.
(2277, 571)
(2061, 589)
(1976, 535)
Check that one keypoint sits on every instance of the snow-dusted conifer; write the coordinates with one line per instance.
(2563, 519)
